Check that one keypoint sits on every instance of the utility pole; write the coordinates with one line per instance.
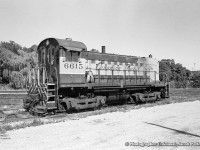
(194, 66)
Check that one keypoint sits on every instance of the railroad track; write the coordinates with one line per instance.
(10, 104)
(11, 95)
(11, 98)
(12, 92)
(176, 95)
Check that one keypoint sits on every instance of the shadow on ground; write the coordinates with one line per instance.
(177, 131)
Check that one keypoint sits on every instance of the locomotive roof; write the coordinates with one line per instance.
(67, 44)
(109, 57)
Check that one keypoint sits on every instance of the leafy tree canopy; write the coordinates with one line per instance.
(176, 73)
(15, 58)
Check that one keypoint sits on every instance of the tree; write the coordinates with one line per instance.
(33, 48)
(5, 59)
(95, 50)
(12, 46)
(176, 73)
(164, 68)
(15, 58)
(195, 80)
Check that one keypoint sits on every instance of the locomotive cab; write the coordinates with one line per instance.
(61, 58)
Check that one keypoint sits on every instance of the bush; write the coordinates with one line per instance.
(13, 79)
(195, 81)
(17, 80)
(6, 77)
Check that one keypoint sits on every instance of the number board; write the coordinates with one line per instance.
(72, 67)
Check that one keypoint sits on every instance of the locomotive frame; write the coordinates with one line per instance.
(70, 77)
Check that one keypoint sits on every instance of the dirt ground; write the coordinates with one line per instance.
(172, 126)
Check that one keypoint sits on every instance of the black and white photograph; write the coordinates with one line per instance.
(99, 74)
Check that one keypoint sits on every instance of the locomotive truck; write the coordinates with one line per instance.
(68, 77)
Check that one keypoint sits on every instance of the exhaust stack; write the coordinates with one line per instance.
(103, 48)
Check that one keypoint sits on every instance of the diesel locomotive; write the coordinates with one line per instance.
(68, 77)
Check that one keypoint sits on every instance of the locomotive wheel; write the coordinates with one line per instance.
(155, 99)
(68, 110)
(64, 105)
(131, 100)
(54, 112)
(134, 99)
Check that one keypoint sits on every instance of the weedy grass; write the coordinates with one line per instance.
(23, 124)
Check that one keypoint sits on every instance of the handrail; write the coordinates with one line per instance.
(57, 87)
(56, 76)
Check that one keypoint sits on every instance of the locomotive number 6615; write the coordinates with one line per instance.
(73, 65)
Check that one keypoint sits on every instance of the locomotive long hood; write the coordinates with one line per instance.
(67, 44)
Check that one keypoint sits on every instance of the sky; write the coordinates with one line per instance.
(167, 29)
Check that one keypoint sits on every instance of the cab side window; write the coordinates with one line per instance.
(70, 56)
(75, 56)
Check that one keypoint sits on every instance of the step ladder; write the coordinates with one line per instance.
(38, 84)
(50, 96)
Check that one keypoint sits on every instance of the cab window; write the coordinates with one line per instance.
(52, 55)
(71, 56)
(43, 56)
(62, 53)
(68, 56)
(75, 56)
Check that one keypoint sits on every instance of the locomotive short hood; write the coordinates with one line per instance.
(65, 43)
